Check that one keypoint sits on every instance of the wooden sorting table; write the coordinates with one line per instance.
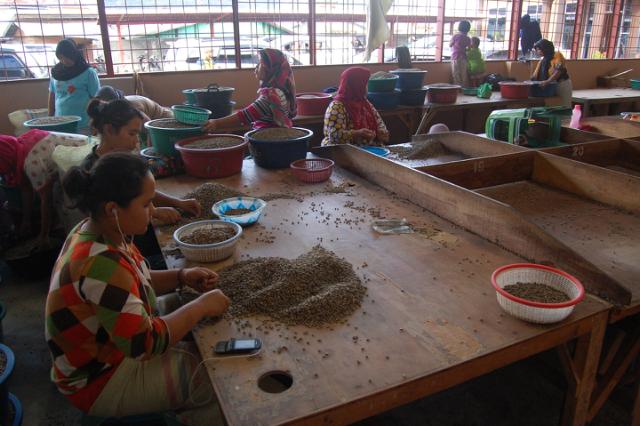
(589, 97)
(465, 104)
(611, 126)
(590, 214)
(429, 321)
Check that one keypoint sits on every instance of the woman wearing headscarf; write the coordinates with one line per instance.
(150, 109)
(552, 67)
(73, 82)
(350, 117)
(276, 103)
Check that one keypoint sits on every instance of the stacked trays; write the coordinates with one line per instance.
(412, 92)
(382, 92)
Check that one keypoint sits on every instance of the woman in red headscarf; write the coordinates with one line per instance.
(350, 118)
(26, 162)
(276, 103)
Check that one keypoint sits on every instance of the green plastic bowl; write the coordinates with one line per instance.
(69, 125)
(470, 91)
(164, 138)
(190, 96)
(382, 84)
(190, 114)
(635, 84)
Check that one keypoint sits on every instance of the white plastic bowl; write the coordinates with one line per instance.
(256, 205)
(537, 312)
(207, 253)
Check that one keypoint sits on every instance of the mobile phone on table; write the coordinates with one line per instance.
(237, 346)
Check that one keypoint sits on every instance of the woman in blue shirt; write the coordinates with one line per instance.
(73, 83)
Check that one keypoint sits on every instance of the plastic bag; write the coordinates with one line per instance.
(484, 91)
(392, 226)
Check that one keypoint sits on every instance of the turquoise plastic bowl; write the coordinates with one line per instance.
(164, 139)
(256, 205)
(382, 84)
(635, 84)
(68, 126)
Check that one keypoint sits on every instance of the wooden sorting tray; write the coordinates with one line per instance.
(592, 211)
(616, 154)
(567, 135)
(612, 126)
(452, 191)
(430, 319)
(425, 150)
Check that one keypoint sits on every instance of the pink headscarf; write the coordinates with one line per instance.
(14, 151)
(278, 75)
(353, 94)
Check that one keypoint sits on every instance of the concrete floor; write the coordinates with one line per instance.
(516, 395)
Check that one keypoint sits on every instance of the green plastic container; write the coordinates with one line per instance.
(382, 84)
(70, 125)
(470, 91)
(190, 96)
(635, 84)
(163, 138)
(190, 114)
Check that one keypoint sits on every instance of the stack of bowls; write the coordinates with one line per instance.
(382, 92)
(216, 99)
(410, 81)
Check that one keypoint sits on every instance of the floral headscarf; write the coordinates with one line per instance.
(278, 75)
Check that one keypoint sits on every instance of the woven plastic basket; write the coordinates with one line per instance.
(256, 205)
(189, 114)
(312, 170)
(537, 312)
(207, 253)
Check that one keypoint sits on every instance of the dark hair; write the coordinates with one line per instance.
(525, 20)
(548, 49)
(108, 93)
(475, 40)
(117, 113)
(464, 26)
(114, 177)
(69, 49)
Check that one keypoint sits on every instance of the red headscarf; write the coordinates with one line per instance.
(278, 74)
(353, 94)
(14, 151)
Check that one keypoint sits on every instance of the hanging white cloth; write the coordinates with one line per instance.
(377, 29)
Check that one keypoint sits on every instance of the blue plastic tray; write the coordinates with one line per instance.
(377, 150)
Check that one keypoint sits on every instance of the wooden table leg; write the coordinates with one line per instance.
(635, 410)
(581, 375)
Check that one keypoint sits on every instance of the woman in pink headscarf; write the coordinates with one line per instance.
(26, 162)
(350, 117)
(276, 103)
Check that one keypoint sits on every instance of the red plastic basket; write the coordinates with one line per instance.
(313, 170)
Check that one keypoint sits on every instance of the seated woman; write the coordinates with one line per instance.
(26, 162)
(276, 103)
(118, 123)
(150, 109)
(113, 355)
(73, 82)
(553, 67)
(350, 117)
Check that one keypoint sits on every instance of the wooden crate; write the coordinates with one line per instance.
(611, 126)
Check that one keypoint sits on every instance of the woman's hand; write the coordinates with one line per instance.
(166, 215)
(383, 136)
(198, 278)
(213, 303)
(362, 136)
(210, 126)
(191, 206)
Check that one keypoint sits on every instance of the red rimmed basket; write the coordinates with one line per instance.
(536, 312)
(312, 170)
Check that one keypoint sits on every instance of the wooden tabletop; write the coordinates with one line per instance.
(467, 101)
(595, 96)
(613, 126)
(429, 320)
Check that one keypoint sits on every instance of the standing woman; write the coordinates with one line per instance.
(350, 117)
(553, 67)
(276, 103)
(73, 83)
